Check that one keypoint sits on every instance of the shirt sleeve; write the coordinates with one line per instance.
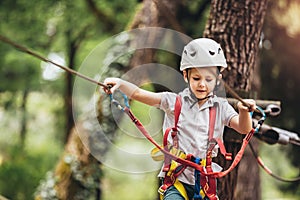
(167, 102)
(228, 112)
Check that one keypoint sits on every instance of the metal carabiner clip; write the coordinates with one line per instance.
(261, 120)
(272, 110)
(118, 104)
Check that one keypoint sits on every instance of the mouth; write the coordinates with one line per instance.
(201, 91)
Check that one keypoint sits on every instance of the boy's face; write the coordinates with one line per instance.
(202, 80)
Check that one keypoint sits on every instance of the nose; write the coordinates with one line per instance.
(201, 83)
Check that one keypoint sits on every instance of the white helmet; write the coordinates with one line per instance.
(202, 52)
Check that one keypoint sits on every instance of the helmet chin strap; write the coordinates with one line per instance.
(197, 100)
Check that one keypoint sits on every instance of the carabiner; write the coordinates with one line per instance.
(118, 104)
(272, 110)
(261, 120)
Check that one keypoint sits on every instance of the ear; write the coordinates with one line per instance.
(185, 76)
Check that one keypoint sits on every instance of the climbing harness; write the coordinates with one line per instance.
(176, 161)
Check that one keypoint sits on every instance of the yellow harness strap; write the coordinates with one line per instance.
(157, 155)
(179, 186)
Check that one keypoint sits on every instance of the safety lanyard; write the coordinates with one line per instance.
(188, 162)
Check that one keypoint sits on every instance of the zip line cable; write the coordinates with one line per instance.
(30, 52)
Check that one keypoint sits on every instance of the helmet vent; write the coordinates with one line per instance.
(211, 53)
(193, 53)
(219, 50)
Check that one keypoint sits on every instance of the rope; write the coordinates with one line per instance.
(268, 170)
(34, 54)
(236, 96)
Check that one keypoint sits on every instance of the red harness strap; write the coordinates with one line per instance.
(170, 178)
(174, 132)
(208, 183)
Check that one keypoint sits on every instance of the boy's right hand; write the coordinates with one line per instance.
(113, 84)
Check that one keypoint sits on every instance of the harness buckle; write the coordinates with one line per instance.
(203, 162)
(161, 190)
(211, 144)
(174, 134)
(228, 156)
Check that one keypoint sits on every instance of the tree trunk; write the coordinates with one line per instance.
(152, 14)
(24, 118)
(237, 26)
(68, 91)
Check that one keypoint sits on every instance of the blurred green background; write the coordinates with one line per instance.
(32, 95)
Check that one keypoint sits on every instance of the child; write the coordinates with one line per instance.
(201, 63)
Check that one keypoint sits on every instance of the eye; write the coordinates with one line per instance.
(196, 78)
(209, 80)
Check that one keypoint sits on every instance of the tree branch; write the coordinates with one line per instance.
(100, 16)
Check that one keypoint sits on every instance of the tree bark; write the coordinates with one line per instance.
(237, 26)
(153, 14)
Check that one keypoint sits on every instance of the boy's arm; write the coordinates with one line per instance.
(243, 122)
(133, 91)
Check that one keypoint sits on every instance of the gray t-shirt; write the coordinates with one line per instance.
(193, 125)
